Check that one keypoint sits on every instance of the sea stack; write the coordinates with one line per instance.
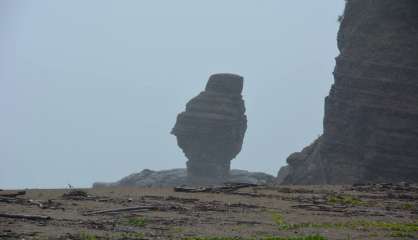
(371, 113)
(211, 130)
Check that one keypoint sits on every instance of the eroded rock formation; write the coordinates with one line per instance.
(211, 130)
(177, 177)
(371, 114)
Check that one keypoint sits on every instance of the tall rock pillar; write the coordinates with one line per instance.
(211, 130)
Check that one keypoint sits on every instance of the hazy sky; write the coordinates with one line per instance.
(89, 90)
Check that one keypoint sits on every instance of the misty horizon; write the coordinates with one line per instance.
(91, 93)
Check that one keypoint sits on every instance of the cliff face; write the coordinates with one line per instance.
(371, 113)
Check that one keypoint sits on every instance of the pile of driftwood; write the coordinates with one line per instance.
(75, 194)
(81, 195)
(12, 197)
(227, 187)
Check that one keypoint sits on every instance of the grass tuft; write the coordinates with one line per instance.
(344, 200)
(87, 236)
(396, 229)
(279, 220)
(137, 222)
(408, 206)
(310, 237)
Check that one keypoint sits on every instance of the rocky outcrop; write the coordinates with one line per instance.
(177, 177)
(371, 113)
(211, 130)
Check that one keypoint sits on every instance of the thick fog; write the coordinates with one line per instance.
(89, 90)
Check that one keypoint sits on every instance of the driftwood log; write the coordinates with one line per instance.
(12, 200)
(127, 209)
(318, 207)
(228, 187)
(23, 216)
(12, 194)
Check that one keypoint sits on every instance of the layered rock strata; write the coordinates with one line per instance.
(211, 130)
(371, 113)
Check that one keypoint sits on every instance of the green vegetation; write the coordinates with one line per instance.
(177, 229)
(310, 237)
(132, 235)
(137, 222)
(278, 219)
(87, 236)
(212, 238)
(407, 206)
(396, 229)
(400, 234)
(344, 200)
(124, 236)
(38, 237)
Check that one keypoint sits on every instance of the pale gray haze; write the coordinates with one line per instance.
(89, 90)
